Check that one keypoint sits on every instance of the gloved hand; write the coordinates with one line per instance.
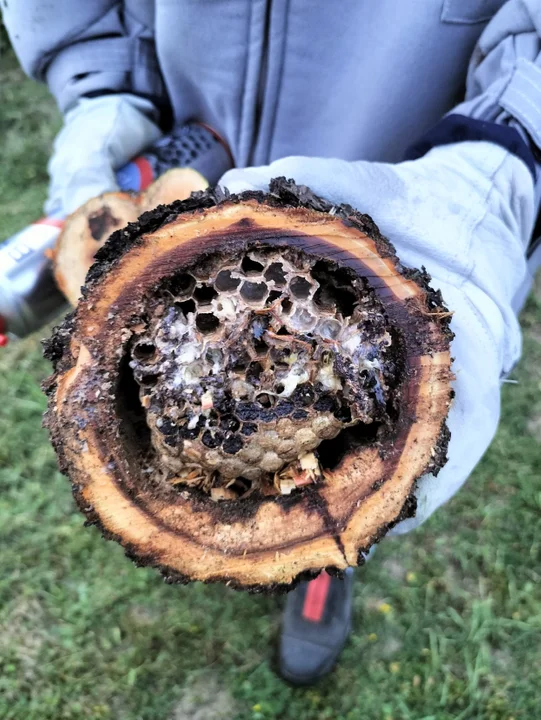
(464, 211)
(99, 136)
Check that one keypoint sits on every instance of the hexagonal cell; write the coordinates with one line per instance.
(212, 439)
(187, 307)
(254, 292)
(232, 444)
(238, 360)
(300, 287)
(248, 428)
(249, 266)
(280, 357)
(305, 439)
(181, 286)
(325, 427)
(303, 394)
(207, 323)
(274, 295)
(267, 438)
(266, 400)
(144, 351)
(301, 320)
(260, 346)
(251, 454)
(225, 282)
(270, 462)
(253, 373)
(275, 272)
(149, 380)
(258, 326)
(287, 306)
(328, 328)
(204, 294)
(224, 307)
(229, 423)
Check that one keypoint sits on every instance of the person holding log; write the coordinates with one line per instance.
(425, 115)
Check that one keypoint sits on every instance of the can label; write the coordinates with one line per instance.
(35, 238)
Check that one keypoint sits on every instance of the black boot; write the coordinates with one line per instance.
(315, 628)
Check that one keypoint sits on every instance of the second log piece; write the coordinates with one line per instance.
(250, 387)
(88, 228)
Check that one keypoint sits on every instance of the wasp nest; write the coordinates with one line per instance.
(265, 351)
(250, 361)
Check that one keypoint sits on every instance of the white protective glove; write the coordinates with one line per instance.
(465, 211)
(99, 136)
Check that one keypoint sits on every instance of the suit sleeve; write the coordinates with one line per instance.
(86, 49)
(504, 77)
(502, 103)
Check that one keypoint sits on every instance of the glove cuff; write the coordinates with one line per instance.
(459, 128)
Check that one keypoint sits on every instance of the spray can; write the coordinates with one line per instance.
(29, 297)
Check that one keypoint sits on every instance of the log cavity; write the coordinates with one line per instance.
(258, 369)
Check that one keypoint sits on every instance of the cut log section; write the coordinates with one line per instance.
(88, 228)
(250, 387)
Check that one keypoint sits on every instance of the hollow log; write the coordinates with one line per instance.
(250, 387)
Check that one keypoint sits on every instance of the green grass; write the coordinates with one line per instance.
(28, 123)
(447, 620)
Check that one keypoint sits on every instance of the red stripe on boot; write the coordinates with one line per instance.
(316, 597)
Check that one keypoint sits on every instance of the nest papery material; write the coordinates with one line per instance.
(248, 362)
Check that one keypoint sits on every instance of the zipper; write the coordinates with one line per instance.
(262, 81)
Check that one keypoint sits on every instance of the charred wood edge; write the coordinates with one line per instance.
(282, 194)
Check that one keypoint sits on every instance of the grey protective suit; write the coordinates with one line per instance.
(354, 79)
